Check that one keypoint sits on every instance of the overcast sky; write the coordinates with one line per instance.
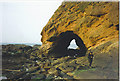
(22, 22)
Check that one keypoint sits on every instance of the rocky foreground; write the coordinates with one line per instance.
(26, 62)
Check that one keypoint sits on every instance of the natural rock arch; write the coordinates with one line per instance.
(61, 43)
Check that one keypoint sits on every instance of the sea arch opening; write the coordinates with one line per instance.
(62, 42)
(73, 45)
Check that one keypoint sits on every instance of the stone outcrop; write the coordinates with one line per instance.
(95, 23)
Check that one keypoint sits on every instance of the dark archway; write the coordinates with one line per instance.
(61, 43)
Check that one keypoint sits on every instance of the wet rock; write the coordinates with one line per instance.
(67, 68)
(70, 73)
(53, 70)
(33, 69)
(40, 76)
(81, 60)
(58, 77)
(18, 61)
(67, 77)
(26, 76)
(49, 76)
(60, 60)
(43, 70)
(63, 75)
(47, 64)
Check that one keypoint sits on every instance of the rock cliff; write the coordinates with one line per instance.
(95, 27)
(94, 22)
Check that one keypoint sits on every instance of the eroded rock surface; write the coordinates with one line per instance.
(97, 26)
(94, 22)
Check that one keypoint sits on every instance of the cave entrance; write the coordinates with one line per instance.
(62, 43)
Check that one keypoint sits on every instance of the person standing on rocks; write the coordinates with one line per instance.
(90, 58)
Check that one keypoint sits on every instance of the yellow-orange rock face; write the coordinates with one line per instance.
(94, 22)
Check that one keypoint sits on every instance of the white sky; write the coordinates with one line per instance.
(22, 22)
(72, 45)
